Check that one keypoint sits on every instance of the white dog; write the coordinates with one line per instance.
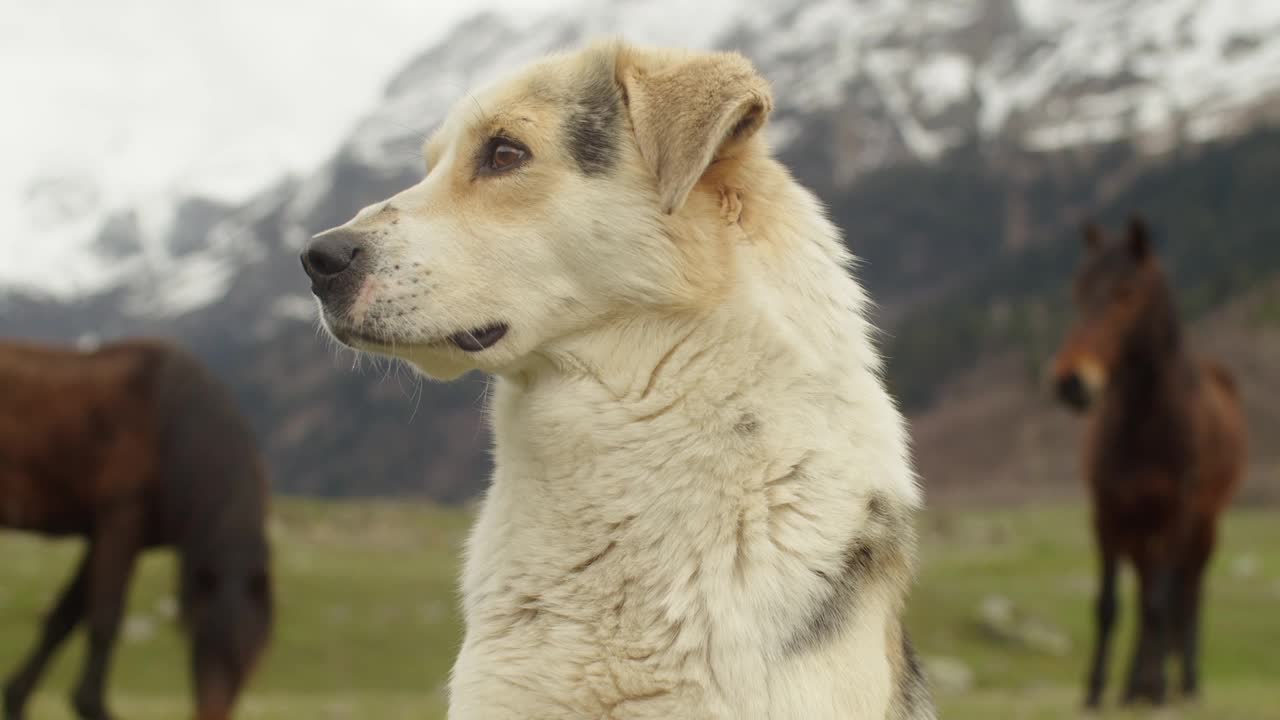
(702, 503)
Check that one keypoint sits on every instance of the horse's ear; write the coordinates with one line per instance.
(689, 110)
(1092, 235)
(1139, 238)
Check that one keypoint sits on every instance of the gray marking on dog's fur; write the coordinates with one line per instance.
(876, 557)
(911, 698)
(748, 424)
(833, 611)
(878, 509)
(592, 127)
(582, 566)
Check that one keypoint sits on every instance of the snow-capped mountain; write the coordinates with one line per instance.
(898, 79)
(860, 86)
(872, 82)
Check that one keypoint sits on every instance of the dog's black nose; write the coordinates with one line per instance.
(1072, 392)
(330, 253)
(337, 263)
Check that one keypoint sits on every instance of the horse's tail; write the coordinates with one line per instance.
(215, 501)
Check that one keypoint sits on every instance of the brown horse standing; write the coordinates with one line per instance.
(136, 446)
(1164, 455)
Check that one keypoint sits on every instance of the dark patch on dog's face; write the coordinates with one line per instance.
(748, 424)
(592, 126)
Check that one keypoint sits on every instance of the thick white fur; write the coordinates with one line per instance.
(688, 414)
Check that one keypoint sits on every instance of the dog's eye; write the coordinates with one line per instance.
(504, 155)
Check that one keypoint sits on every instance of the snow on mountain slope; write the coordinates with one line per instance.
(1119, 70)
(902, 79)
(118, 110)
(864, 82)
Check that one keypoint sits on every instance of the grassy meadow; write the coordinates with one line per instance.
(368, 623)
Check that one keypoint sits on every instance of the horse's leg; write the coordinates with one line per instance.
(1190, 581)
(1147, 673)
(62, 619)
(118, 540)
(1105, 619)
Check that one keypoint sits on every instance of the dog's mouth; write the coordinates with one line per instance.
(474, 341)
(468, 341)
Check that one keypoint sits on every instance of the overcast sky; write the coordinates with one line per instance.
(137, 97)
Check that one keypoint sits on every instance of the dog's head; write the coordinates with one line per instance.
(577, 192)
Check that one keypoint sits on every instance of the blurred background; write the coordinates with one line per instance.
(161, 164)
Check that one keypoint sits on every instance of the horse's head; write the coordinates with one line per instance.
(1117, 289)
(228, 610)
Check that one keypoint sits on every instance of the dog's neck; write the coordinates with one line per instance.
(630, 361)
(775, 251)
(792, 318)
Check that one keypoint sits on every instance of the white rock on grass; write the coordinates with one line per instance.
(139, 628)
(947, 675)
(1245, 566)
(1002, 621)
(996, 612)
(167, 607)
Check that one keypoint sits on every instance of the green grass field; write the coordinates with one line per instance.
(368, 624)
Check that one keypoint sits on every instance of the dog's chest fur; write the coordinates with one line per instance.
(672, 547)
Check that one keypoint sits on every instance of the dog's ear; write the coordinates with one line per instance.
(689, 110)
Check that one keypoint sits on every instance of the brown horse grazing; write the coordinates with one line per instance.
(1164, 455)
(136, 446)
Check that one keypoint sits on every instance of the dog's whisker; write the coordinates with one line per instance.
(481, 117)
(422, 135)
(417, 403)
